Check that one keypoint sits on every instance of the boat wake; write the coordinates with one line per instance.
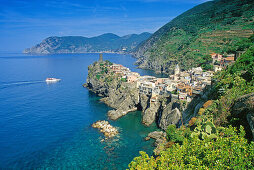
(20, 83)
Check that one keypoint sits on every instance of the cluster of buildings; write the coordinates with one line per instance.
(190, 83)
(183, 84)
(220, 61)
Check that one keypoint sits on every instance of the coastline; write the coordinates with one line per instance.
(163, 101)
(105, 52)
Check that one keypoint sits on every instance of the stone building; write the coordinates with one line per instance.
(177, 70)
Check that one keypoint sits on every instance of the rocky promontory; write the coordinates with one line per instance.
(124, 96)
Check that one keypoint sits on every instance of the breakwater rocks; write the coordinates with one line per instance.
(104, 127)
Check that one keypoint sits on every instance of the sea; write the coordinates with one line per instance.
(48, 126)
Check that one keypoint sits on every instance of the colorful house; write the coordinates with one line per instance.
(216, 57)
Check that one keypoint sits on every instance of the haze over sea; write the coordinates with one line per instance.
(49, 125)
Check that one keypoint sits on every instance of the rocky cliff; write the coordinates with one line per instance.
(116, 93)
(124, 97)
(243, 109)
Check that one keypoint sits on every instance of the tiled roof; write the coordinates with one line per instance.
(230, 59)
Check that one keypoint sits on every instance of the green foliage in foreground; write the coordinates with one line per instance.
(230, 150)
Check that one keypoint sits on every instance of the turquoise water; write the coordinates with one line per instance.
(49, 125)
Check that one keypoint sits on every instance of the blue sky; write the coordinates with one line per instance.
(24, 23)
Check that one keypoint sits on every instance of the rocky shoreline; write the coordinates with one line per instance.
(160, 139)
(125, 97)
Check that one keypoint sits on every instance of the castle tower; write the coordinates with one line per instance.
(177, 69)
(101, 58)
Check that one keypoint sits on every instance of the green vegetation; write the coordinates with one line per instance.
(215, 139)
(98, 76)
(214, 26)
(230, 150)
(174, 135)
(204, 129)
(101, 72)
(123, 79)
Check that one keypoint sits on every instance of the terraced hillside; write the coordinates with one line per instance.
(214, 26)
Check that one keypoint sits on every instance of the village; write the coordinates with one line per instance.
(184, 85)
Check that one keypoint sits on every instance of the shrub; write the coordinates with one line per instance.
(207, 104)
(201, 111)
(174, 135)
(229, 151)
(123, 79)
(98, 76)
(192, 121)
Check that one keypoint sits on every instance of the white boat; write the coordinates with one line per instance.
(52, 80)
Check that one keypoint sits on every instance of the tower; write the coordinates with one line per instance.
(177, 69)
(101, 58)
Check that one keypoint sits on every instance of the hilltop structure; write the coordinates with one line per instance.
(101, 58)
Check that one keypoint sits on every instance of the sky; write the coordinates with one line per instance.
(24, 23)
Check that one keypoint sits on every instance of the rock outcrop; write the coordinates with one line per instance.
(124, 97)
(160, 139)
(193, 107)
(244, 108)
(150, 113)
(170, 117)
(115, 114)
(108, 130)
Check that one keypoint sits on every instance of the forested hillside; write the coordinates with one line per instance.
(214, 26)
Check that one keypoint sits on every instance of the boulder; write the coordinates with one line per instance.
(156, 134)
(115, 114)
(160, 140)
(150, 114)
(105, 128)
(169, 117)
(144, 101)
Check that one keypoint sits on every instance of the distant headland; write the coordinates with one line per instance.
(107, 43)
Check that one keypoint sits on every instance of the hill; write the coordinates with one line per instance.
(78, 44)
(213, 26)
(215, 138)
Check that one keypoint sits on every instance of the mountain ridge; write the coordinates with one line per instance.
(107, 42)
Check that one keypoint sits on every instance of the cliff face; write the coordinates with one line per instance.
(121, 96)
(125, 97)
(78, 44)
(243, 109)
(213, 26)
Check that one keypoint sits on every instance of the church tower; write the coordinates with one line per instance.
(101, 58)
(177, 70)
